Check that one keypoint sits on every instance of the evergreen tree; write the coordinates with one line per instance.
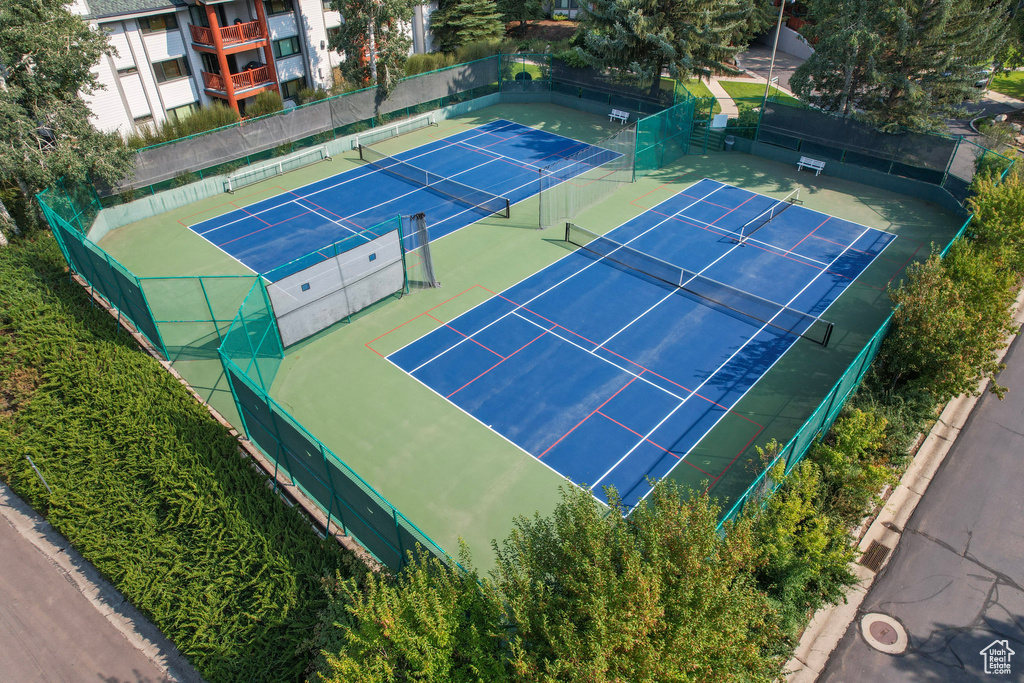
(374, 40)
(460, 22)
(642, 38)
(46, 60)
(901, 63)
(523, 11)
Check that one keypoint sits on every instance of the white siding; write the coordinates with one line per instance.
(119, 40)
(177, 93)
(107, 107)
(164, 45)
(136, 96)
(282, 26)
(289, 68)
(146, 76)
(318, 63)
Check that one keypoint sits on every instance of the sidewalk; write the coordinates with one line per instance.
(60, 620)
(729, 107)
(830, 624)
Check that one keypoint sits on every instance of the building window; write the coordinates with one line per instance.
(286, 47)
(143, 120)
(183, 112)
(161, 22)
(127, 71)
(331, 32)
(328, 5)
(210, 63)
(278, 6)
(290, 89)
(171, 70)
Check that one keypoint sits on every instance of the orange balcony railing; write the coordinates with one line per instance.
(229, 35)
(240, 81)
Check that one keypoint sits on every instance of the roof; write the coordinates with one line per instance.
(99, 9)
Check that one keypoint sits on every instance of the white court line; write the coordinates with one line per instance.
(535, 297)
(717, 370)
(593, 352)
(310, 194)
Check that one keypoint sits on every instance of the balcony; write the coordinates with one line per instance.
(245, 80)
(236, 34)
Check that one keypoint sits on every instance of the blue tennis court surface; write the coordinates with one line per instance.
(609, 376)
(501, 157)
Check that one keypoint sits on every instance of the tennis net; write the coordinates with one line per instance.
(475, 197)
(768, 216)
(762, 310)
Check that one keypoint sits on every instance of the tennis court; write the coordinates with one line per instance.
(455, 181)
(610, 365)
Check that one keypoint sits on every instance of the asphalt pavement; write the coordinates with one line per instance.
(956, 580)
(61, 621)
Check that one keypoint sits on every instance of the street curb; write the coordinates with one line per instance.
(829, 624)
(107, 600)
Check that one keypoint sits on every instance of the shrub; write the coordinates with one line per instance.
(267, 102)
(429, 61)
(307, 95)
(184, 178)
(204, 119)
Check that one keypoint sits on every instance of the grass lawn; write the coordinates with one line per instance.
(698, 89)
(740, 90)
(1011, 84)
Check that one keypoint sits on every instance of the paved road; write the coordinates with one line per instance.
(49, 630)
(956, 580)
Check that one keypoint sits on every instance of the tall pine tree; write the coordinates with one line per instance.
(900, 63)
(643, 38)
(460, 22)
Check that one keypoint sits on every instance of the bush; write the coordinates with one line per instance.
(307, 95)
(745, 123)
(267, 102)
(147, 486)
(184, 178)
(429, 61)
(204, 119)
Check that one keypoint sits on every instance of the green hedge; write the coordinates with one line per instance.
(147, 486)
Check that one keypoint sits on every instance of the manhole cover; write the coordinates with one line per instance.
(884, 633)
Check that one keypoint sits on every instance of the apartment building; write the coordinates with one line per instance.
(176, 55)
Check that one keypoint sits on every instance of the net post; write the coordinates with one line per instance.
(508, 208)
(359, 145)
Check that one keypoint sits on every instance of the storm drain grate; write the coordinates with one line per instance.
(875, 555)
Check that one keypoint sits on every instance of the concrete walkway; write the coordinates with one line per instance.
(60, 620)
(729, 107)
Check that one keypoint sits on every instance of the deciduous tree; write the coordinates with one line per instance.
(374, 39)
(46, 60)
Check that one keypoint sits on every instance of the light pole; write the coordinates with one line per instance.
(775, 46)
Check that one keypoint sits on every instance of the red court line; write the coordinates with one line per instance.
(616, 354)
(633, 431)
(792, 248)
(503, 359)
(231, 203)
(778, 251)
(587, 417)
(242, 209)
(472, 339)
(691, 196)
(735, 457)
(340, 217)
(483, 152)
(413, 319)
(267, 227)
(634, 202)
